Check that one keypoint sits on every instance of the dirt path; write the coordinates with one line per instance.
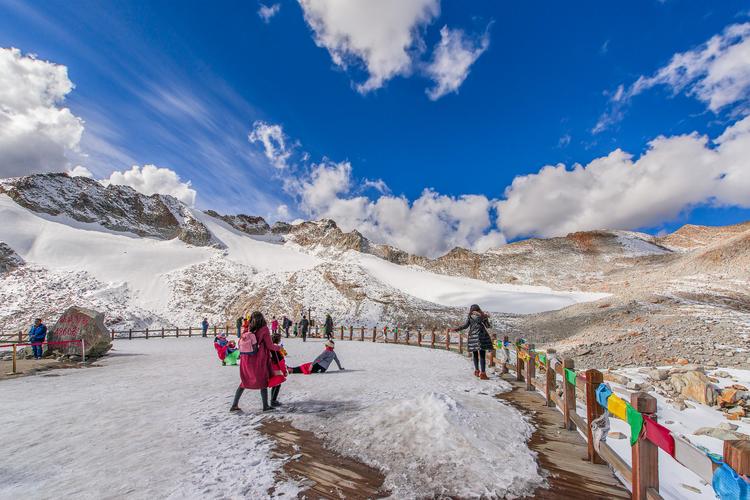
(328, 475)
(32, 366)
(562, 454)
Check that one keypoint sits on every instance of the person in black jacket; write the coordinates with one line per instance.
(328, 328)
(479, 341)
(303, 326)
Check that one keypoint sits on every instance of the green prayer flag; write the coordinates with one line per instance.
(635, 420)
(542, 358)
(570, 376)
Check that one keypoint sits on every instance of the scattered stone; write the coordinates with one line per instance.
(78, 323)
(695, 385)
(723, 434)
(610, 376)
(633, 386)
(658, 374)
(682, 361)
(690, 488)
(721, 374)
(726, 426)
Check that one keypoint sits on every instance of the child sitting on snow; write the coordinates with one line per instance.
(220, 344)
(233, 354)
(321, 363)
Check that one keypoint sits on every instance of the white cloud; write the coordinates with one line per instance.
(716, 73)
(36, 133)
(274, 142)
(674, 175)
(451, 60)
(266, 12)
(431, 225)
(80, 171)
(282, 212)
(381, 35)
(151, 180)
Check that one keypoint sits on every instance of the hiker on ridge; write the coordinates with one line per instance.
(479, 341)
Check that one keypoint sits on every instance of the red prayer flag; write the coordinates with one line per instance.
(659, 435)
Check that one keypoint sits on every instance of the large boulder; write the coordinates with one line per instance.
(78, 323)
(695, 385)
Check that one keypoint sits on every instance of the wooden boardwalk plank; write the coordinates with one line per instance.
(562, 454)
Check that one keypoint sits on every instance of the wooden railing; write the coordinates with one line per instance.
(550, 376)
(545, 373)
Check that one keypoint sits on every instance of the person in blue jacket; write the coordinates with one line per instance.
(37, 334)
(204, 327)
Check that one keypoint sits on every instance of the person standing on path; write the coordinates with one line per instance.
(328, 327)
(303, 326)
(255, 360)
(285, 324)
(239, 326)
(204, 327)
(37, 335)
(479, 341)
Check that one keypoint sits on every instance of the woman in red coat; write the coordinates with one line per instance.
(255, 360)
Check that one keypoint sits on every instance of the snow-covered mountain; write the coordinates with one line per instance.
(152, 261)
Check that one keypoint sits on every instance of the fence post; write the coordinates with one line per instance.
(645, 454)
(385, 334)
(460, 343)
(351, 332)
(362, 334)
(419, 337)
(177, 331)
(130, 334)
(550, 378)
(317, 331)
(146, 333)
(447, 340)
(407, 334)
(569, 396)
(737, 456)
(432, 342)
(162, 332)
(113, 334)
(374, 333)
(530, 369)
(14, 358)
(519, 361)
(20, 337)
(593, 411)
(190, 331)
(214, 330)
(342, 332)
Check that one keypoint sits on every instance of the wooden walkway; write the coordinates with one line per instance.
(562, 453)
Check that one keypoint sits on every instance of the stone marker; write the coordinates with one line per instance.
(79, 323)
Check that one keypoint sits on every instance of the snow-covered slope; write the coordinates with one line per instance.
(147, 281)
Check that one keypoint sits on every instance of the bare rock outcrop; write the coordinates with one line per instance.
(9, 259)
(249, 224)
(118, 208)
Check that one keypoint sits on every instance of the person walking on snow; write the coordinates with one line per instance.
(479, 341)
(37, 335)
(328, 327)
(303, 326)
(255, 360)
(321, 363)
(285, 324)
(204, 327)
(274, 326)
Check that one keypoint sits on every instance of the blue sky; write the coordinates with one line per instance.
(180, 86)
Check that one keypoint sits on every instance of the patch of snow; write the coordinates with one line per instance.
(461, 292)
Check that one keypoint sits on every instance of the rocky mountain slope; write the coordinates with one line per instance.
(119, 208)
(152, 261)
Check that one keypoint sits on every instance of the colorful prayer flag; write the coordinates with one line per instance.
(635, 420)
(617, 407)
(570, 376)
(659, 435)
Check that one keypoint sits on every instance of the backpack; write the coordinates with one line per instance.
(248, 343)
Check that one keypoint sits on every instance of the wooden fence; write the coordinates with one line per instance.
(556, 381)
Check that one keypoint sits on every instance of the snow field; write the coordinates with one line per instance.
(153, 421)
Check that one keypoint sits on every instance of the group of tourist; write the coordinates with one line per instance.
(262, 357)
